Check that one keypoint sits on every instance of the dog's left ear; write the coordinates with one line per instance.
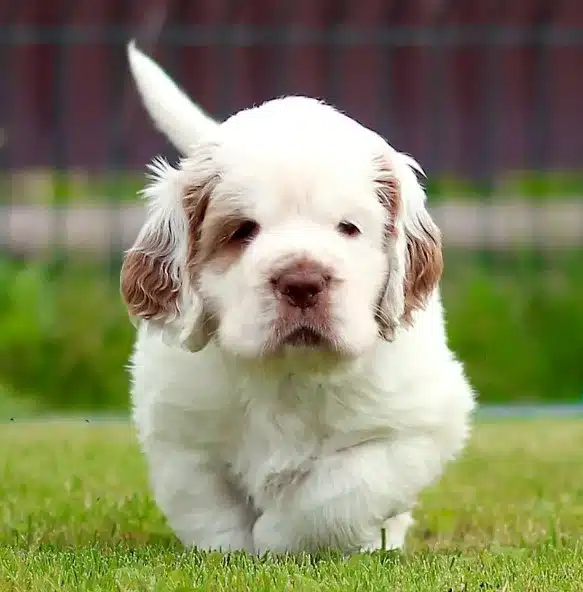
(412, 241)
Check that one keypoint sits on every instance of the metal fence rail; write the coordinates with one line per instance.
(93, 229)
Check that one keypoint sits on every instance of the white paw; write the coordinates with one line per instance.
(227, 542)
(269, 536)
(394, 535)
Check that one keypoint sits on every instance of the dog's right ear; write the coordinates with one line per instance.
(172, 112)
(152, 267)
(156, 281)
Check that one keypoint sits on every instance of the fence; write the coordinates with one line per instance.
(486, 95)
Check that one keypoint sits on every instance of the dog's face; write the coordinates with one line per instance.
(290, 230)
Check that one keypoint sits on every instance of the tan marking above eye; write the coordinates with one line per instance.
(225, 237)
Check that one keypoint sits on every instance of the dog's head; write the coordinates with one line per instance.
(288, 228)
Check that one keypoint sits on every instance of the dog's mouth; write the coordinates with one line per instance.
(299, 338)
(305, 337)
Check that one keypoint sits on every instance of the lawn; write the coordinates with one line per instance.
(76, 515)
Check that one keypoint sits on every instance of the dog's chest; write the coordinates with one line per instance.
(274, 448)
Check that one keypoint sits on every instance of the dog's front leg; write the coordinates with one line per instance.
(348, 497)
(201, 504)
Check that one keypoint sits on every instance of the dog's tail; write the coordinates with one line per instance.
(172, 112)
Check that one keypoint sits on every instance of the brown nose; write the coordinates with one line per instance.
(301, 288)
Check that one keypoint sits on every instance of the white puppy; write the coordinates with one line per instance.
(292, 384)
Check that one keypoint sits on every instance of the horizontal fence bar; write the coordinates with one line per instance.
(469, 225)
(249, 35)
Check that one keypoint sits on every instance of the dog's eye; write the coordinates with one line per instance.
(246, 232)
(348, 228)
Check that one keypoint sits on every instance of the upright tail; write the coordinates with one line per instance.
(172, 111)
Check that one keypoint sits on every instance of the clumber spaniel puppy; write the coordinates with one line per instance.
(292, 384)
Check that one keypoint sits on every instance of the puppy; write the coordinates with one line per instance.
(292, 385)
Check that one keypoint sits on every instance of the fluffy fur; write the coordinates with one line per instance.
(292, 384)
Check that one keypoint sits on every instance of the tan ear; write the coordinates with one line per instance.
(424, 262)
(391, 302)
(149, 282)
(158, 276)
(413, 245)
(150, 274)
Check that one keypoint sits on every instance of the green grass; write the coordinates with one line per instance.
(76, 515)
(514, 319)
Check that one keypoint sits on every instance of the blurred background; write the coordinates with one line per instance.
(487, 95)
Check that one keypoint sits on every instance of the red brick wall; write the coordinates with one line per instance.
(442, 124)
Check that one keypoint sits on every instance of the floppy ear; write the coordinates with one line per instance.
(412, 242)
(172, 112)
(424, 261)
(157, 282)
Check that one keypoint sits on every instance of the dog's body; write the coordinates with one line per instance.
(292, 384)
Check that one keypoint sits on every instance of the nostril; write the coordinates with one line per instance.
(299, 291)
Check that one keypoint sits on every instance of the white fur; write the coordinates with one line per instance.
(303, 450)
(173, 113)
